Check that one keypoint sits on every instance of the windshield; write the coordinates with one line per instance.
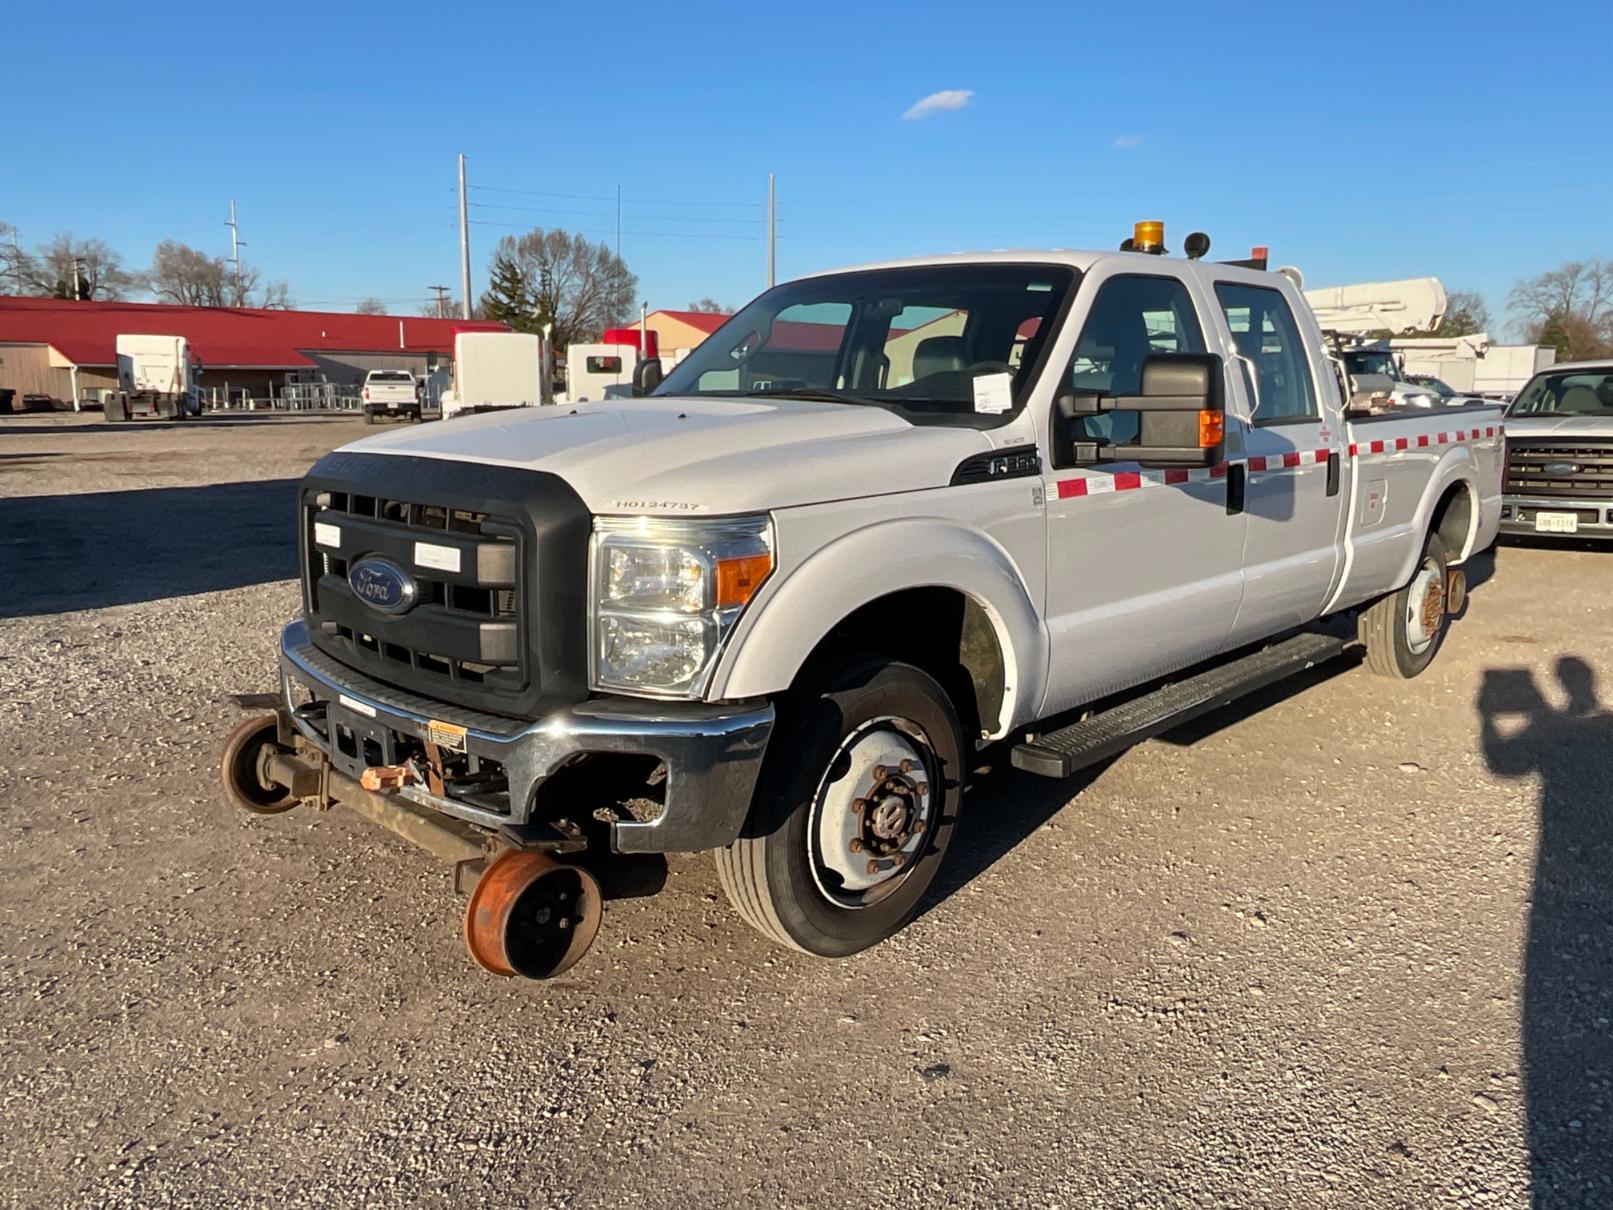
(938, 343)
(1577, 393)
(1373, 361)
(391, 376)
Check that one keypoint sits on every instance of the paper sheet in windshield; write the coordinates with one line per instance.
(994, 393)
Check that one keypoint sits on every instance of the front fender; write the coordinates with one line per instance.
(774, 638)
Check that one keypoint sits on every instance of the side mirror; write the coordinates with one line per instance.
(646, 376)
(1181, 414)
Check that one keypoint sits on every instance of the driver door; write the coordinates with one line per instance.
(1144, 567)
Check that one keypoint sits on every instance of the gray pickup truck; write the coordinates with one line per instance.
(1559, 469)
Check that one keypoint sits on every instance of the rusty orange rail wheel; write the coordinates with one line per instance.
(531, 915)
(241, 765)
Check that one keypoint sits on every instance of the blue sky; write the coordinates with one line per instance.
(1412, 139)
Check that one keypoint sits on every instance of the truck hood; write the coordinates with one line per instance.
(1559, 426)
(682, 456)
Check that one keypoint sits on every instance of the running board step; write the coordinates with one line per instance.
(1070, 749)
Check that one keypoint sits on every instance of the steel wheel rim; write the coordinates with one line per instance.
(1425, 607)
(873, 813)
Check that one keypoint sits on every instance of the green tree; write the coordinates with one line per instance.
(509, 298)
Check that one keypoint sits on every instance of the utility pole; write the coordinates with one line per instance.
(78, 280)
(464, 244)
(772, 228)
(235, 253)
(442, 300)
(618, 222)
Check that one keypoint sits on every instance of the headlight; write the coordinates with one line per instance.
(1419, 399)
(666, 594)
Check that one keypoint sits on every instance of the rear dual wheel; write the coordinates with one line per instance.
(1403, 631)
(854, 811)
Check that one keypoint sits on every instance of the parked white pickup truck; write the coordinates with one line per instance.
(880, 519)
(1559, 475)
(394, 395)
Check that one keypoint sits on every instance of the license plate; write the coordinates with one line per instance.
(1556, 523)
(393, 404)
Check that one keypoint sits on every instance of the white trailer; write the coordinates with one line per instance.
(1473, 365)
(156, 377)
(495, 370)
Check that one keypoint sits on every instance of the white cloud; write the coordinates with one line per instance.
(1129, 140)
(937, 102)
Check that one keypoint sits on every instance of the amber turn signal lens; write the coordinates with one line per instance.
(739, 578)
(1212, 428)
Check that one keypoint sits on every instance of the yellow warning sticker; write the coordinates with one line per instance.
(446, 735)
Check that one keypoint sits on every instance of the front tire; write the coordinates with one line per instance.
(1404, 630)
(853, 813)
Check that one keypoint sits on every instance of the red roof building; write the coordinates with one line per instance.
(47, 344)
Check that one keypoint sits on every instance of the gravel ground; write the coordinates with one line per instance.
(1348, 945)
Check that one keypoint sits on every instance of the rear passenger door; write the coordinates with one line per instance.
(1144, 567)
(1294, 491)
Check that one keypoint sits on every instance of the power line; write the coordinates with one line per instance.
(595, 197)
(477, 222)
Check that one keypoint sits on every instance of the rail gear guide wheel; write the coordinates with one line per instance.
(531, 915)
(242, 764)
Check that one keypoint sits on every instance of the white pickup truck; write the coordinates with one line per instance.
(881, 519)
(393, 394)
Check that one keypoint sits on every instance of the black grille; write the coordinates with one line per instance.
(1542, 468)
(498, 557)
(463, 626)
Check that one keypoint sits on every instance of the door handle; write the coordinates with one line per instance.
(1235, 488)
(1333, 472)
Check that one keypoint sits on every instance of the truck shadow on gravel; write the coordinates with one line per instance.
(95, 549)
(1004, 807)
(1568, 950)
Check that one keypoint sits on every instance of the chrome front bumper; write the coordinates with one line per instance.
(712, 753)
(1595, 516)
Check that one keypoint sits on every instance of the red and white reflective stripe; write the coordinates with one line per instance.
(1277, 462)
(1098, 483)
(1359, 449)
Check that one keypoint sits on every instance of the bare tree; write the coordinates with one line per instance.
(444, 307)
(64, 267)
(1569, 307)
(188, 276)
(563, 278)
(370, 306)
(710, 306)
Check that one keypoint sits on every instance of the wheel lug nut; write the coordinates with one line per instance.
(856, 845)
(906, 766)
(873, 867)
(859, 805)
(918, 826)
(880, 772)
(922, 787)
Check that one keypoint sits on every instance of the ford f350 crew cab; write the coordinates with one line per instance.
(881, 519)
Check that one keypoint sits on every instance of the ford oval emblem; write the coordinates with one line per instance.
(382, 584)
(1561, 470)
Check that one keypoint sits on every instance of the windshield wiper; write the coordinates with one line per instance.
(826, 394)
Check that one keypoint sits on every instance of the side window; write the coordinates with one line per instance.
(1264, 330)
(1131, 318)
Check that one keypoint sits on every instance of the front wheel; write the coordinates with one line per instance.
(853, 813)
(1403, 631)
